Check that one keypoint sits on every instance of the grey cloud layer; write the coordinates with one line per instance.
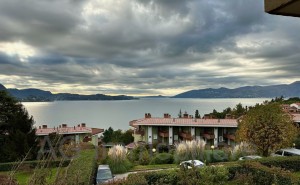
(147, 46)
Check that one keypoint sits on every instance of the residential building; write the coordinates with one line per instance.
(79, 133)
(296, 105)
(170, 130)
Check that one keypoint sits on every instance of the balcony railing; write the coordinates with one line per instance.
(229, 136)
(208, 136)
(185, 135)
(163, 133)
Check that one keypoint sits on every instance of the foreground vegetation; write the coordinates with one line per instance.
(265, 171)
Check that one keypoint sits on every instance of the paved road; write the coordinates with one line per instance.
(125, 175)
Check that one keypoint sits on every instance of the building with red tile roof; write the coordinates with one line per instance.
(79, 133)
(173, 130)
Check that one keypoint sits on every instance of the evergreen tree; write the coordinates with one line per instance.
(197, 115)
(180, 114)
(107, 135)
(17, 135)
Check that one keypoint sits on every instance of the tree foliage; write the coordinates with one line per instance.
(117, 136)
(197, 115)
(267, 128)
(17, 135)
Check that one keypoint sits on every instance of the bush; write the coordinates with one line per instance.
(256, 173)
(288, 163)
(214, 156)
(162, 177)
(163, 158)
(144, 158)
(136, 153)
(204, 176)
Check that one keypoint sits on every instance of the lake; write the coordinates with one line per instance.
(117, 114)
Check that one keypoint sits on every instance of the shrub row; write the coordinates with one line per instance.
(82, 168)
(256, 173)
(31, 164)
(288, 163)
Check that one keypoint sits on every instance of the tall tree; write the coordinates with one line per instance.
(107, 135)
(267, 128)
(17, 135)
(180, 114)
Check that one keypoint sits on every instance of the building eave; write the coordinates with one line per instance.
(283, 7)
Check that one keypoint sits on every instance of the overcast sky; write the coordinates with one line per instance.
(145, 47)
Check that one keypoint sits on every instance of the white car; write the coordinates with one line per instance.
(249, 157)
(189, 164)
(287, 152)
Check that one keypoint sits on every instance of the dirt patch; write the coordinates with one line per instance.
(5, 180)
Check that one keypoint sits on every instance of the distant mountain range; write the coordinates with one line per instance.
(37, 95)
(285, 90)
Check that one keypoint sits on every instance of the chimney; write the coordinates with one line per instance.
(185, 115)
(74, 127)
(44, 126)
(59, 126)
(64, 125)
(228, 116)
(82, 124)
(166, 115)
(147, 115)
(78, 125)
(40, 127)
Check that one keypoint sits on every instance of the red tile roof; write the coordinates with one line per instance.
(68, 130)
(185, 122)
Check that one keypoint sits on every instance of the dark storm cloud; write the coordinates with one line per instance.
(145, 46)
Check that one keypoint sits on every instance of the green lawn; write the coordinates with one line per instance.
(23, 176)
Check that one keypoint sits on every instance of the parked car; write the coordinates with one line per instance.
(189, 164)
(104, 174)
(287, 152)
(250, 157)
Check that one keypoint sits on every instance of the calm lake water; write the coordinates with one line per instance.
(117, 114)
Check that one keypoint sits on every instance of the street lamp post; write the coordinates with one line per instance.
(212, 153)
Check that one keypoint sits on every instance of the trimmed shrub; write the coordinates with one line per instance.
(258, 174)
(288, 163)
(163, 158)
(162, 177)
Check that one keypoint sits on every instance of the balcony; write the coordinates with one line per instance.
(185, 135)
(163, 133)
(209, 136)
(229, 136)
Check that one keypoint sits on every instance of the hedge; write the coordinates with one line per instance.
(31, 164)
(262, 175)
(289, 163)
(162, 158)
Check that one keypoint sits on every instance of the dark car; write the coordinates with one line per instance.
(104, 174)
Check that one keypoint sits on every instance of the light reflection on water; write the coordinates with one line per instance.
(117, 114)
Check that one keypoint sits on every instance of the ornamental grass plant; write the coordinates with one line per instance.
(188, 150)
(117, 159)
